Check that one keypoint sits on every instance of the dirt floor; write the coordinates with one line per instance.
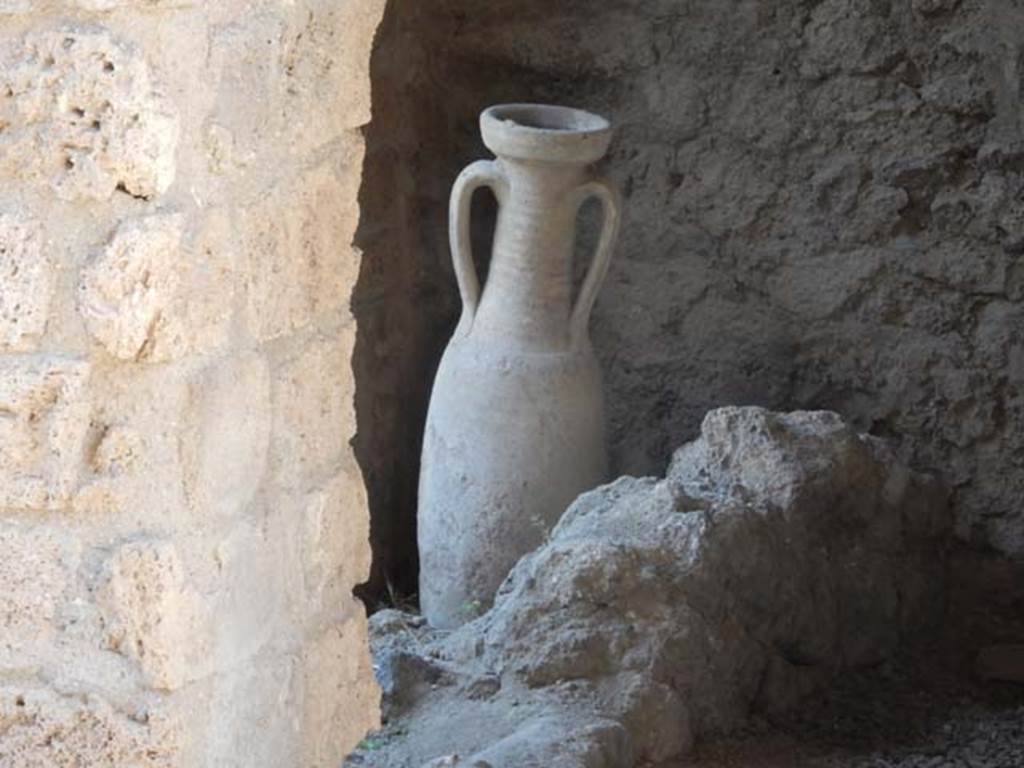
(929, 709)
(886, 719)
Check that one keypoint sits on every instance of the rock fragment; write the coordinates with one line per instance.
(779, 550)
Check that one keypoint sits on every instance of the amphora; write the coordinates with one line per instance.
(515, 429)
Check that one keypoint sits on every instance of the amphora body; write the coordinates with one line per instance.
(515, 429)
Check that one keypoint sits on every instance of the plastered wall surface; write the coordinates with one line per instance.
(181, 516)
(824, 209)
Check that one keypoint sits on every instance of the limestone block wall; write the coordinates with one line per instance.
(181, 516)
(824, 209)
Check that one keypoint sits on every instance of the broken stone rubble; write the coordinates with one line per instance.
(779, 550)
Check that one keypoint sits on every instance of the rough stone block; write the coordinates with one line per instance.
(133, 461)
(245, 54)
(81, 112)
(279, 84)
(336, 678)
(15, 6)
(226, 455)
(313, 414)
(336, 535)
(40, 728)
(126, 290)
(36, 570)
(153, 616)
(248, 699)
(299, 255)
(26, 277)
(146, 297)
(330, 98)
(44, 416)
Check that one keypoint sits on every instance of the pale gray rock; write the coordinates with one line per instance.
(779, 550)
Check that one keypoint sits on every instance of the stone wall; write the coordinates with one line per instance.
(825, 209)
(181, 516)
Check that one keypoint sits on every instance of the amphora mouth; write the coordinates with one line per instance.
(545, 132)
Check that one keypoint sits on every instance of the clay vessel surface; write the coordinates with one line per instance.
(515, 429)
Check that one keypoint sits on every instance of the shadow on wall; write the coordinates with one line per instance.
(824, 209)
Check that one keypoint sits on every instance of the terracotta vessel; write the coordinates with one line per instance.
(515, 429)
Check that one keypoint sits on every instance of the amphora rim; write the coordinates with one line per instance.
(545, 132)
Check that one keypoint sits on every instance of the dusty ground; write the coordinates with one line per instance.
(926, 710)
(886, 719)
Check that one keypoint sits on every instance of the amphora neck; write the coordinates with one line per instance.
(540, 178)
(527, 300)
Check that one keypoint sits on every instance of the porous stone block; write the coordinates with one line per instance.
(126, 290)
(147, 297)
(26, 281)
(245, 53)
(40, 728)
(135, 448)
(248, 698)
(279, 86)
(331, 99)
(81, 113)
(226, 452)
(36, 570)
(336, 531)
(336, 682)
(153, 616)
(254, 554)
(298, 253)
(313, 412)
(44, 416)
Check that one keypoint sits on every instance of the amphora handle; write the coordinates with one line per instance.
(611, 202)
(483, 173)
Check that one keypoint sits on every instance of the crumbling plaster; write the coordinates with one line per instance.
(181, 516)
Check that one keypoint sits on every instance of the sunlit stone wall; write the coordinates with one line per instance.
(181, 517)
